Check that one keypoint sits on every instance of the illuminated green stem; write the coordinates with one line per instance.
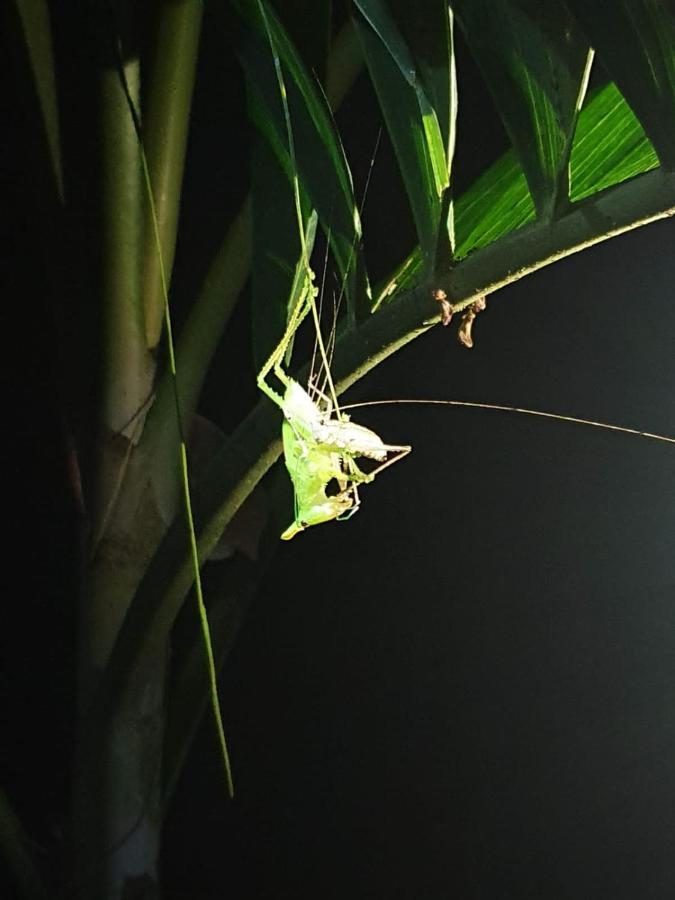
(256, 444)
(184, 471)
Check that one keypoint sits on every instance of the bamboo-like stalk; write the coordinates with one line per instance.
(117, 790)
(128, 365)
(166, 126)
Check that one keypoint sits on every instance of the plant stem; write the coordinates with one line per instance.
(128, 365)
(256, 443)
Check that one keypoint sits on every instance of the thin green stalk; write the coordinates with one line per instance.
(188, 694)
(185, 478)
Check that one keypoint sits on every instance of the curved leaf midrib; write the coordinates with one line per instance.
(230, 480)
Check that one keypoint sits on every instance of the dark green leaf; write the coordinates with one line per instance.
(534, 61)
(35, 24)
(610, 146)
(308, 24)
(430, 39)
(635, 39)
(322, 168)
(421, 143)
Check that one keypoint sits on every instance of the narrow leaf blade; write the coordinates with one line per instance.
(610, 146)
(422, 144)
(635, 39)
(533, 58)
(322, 167)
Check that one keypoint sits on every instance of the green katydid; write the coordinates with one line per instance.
(321, 444)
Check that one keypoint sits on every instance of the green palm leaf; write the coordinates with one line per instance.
(535, 63)
(420, 119)
(635, 40)
(322, 167)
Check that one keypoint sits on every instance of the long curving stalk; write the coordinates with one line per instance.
(256, 444)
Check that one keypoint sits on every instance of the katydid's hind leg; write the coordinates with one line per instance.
(399, 452)
(266, 389)
(360, 477)
(354, 473)
(274, 362)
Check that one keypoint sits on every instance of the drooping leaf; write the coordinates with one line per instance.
(422, 137)
(34, 18)
(321, 165)
(610, 146)
(308, 24)
(430, 39)
(534, 61)
(635, 39)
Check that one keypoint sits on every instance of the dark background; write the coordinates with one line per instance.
(467, 690)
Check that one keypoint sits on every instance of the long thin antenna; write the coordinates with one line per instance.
(517, 409)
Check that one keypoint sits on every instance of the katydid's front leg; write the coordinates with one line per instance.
(354, 473)
(304, 287)
(303, 294)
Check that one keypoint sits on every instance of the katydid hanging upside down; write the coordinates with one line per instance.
(320, 444)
